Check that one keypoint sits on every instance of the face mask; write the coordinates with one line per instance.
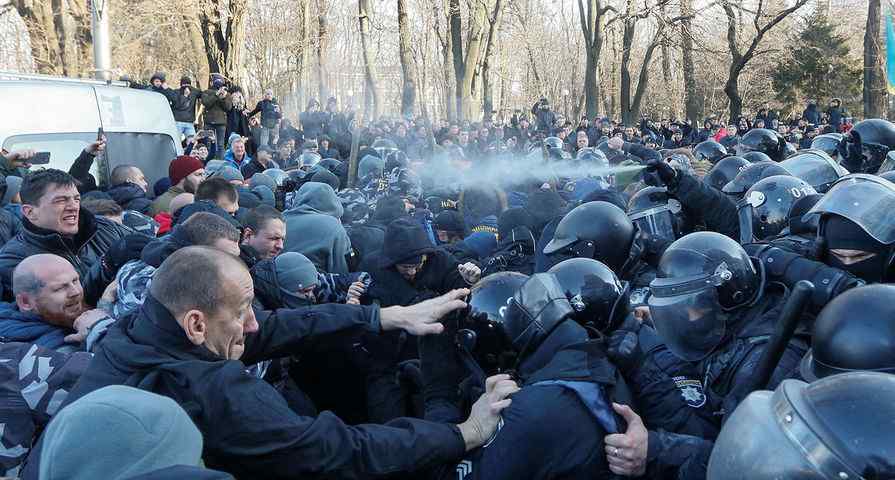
(868, 270)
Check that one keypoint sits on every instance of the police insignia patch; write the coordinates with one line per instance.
(691, 391)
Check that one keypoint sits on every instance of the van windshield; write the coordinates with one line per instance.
(64, 148)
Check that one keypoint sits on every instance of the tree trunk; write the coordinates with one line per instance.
(320, 51)
(493, 26)
(643, 79)
(455, 25)
(874, 77)
(223, 36)
(691, 103)
(733, 93)
(408, 68)
(191, 25)
(363, 16)
(59, 32)
(592, 29)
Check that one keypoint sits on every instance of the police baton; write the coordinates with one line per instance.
(783, 332)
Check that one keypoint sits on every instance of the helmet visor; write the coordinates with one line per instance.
(817, 170)
(691, 323)
(867, 200)
(657, 222)
(742, 149)
(753, 446)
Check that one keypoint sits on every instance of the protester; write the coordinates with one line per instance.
(185, 173)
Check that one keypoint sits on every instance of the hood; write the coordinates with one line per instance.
(482, 243)
(19, 326)
(320, 198)
(152, 432)
(404, 238)
(126, 192)
(521, 236)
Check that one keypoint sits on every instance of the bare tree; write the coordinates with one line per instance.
(408, 67)
(488, 59)
(874, 78)
(371, 98)
(592, 24)
(223, 31)
(691, 104)
(740, 58)
(630, 105)
(61, 42)
(320, 50)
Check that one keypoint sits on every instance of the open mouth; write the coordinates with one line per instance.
(70, 219)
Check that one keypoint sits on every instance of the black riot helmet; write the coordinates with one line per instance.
(750, 175)
(554, 148)
(701, 278)
(828, 143)
(709, 150)
(658, 214)
(599, 299)
(858, 213)
(764, 210)
(531, 313)
(789, 150)
(853, 332)
(598, 230)
(724, 171)
(765, 141)
(488, 303)
(865, 146)
(755, 157)
(815, 167)
(839, 428)
(890, 175)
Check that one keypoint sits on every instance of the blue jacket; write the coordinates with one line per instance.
(19, 326)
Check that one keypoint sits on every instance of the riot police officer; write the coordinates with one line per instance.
(855, 229)
(815, 167)
(714, 312)
(838, 427)
(601, 231)
(660, 218)
(865, 146)
(764, 210)
(556, 424)
(710, 151)
(725, 170)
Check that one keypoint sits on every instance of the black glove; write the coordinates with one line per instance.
(624, 345)
(124, 250)
(664, 170)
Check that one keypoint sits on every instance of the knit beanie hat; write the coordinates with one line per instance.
(182, 167)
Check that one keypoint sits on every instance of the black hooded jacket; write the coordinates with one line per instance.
(84, 251)
(131, 197)
(247, 427)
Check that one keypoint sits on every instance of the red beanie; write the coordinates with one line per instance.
(182, 166)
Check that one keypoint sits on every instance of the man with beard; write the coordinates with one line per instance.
(186, 173)
(49, 305)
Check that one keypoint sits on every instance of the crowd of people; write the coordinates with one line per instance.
(534, 300)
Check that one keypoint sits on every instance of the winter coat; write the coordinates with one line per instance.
(567, 383)
(269, 114)
(184, 106)
(313, 123)
(438, 276)
(313, 228)
(84, 251)
(515, 253)
(10, 226)
(162, 203)
(812, 115)
(238, 123)
(247, 427)
(34, 381)
(28, 327)
(131, 197)
(216, 108)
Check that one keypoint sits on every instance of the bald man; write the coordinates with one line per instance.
(49, 305)
(197, 331)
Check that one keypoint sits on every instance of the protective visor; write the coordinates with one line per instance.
(658, 221)
(687, 313)
(866, 200)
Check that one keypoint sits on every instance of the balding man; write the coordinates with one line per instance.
(129, 188)
(49, 305)
(197, 331)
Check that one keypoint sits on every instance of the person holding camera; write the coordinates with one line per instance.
(217, 103)
(544, 117)
(270, 116)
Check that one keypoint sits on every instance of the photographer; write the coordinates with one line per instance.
(545, 118)
(217, 103)
(270, 116)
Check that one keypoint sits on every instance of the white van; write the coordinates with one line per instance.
(62, 116)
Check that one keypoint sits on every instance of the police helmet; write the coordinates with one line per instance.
(599, 299)
(710, 150)
(754, 172)
(598, 230)
(764, 210)
(815, 167)
(765, 141)
(724, 171)
(865, 146)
